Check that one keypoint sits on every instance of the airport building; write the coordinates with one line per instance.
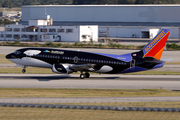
(44, 30)
(122, 20)
(104, 13)
(125, 21)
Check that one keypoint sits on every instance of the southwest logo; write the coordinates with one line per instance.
(155, 41)
(156, 46)
(46, 51)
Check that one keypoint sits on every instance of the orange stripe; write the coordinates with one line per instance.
(159, 54)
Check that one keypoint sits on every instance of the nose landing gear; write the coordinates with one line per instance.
(86, 75)
(24, 69)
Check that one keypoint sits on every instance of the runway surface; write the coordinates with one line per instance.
(169, 82)
(88, 99)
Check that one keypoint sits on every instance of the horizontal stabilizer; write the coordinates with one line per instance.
(166, 60)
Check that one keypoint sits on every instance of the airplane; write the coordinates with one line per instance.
(68, 61)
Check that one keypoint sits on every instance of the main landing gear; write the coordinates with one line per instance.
(86, 75)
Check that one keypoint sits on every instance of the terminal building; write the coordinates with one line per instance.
(125, 21)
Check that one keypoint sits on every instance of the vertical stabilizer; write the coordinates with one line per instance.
(156, 46)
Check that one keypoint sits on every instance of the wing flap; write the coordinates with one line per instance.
(83, 67)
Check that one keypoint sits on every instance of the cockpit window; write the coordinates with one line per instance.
(17, 52)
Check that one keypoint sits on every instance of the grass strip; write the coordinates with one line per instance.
(60, 92)
(111, 44)
(32, 70)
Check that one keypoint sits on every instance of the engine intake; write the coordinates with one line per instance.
(61, 68)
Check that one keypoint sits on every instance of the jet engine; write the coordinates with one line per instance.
(61, 68)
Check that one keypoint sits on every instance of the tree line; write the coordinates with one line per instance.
(19, 3)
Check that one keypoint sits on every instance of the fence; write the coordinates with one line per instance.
(21, 110)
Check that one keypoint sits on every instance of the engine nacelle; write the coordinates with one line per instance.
(61, 68)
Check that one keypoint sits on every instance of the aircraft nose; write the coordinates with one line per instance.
(9, 56)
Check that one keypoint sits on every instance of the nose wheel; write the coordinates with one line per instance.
(86, 75)
(23, 70)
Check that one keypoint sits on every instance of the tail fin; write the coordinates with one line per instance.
(156, 46)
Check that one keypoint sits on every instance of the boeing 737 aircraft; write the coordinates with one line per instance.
(67, 61)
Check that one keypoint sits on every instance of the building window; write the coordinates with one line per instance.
(69, 30)
(8, 36)
(60, 30)
(2, 35)
(43, 30)
(16, 36)
(29, 30)
(24, 36)
(16, 29)
(23, 30)
(52, 30)
(9, 29)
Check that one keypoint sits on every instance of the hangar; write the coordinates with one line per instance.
(104, 13)
(122, 20)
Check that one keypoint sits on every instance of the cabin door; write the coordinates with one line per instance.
(133, 63)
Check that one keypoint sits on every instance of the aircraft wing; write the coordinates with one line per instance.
(83, 67)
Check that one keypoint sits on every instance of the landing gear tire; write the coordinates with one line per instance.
(23, 70)
(82, 76)
(87, 75)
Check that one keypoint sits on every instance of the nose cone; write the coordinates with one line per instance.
(10, 56)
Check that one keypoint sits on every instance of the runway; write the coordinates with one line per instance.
(89, 99)
(169, 82)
